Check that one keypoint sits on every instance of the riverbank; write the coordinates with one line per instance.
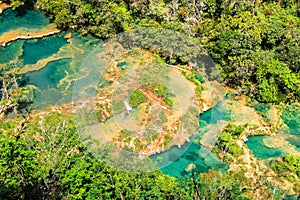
(253, 168)
(26, 34)
(4, 6)
(180, 120)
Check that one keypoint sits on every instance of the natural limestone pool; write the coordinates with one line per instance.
(49, 64)
(176, 160)
(287, 139)
(49, 68)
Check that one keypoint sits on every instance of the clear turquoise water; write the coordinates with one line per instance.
(58, 75)
(37, 49)
(20, 18)
(262, 108)
(51, 83)
(11, 52)
(122, 64)
(256, 145)
(295, 142)
(291, 117)
(47, 80)
(175, 160)
(191, 154)
(212, 116)
(31, 51)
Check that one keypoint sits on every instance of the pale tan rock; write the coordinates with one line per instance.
(190, 167)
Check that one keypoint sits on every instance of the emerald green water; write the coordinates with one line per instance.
(21, 18)
(295, 142)
(291, 130)
(37, 49)
(175, 160)
(53, 83)
(62, 55)
(11, 52)
(262, 108)
(46, 81)
(257, 146)
(291, 117)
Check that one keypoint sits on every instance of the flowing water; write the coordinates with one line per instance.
(51, 62)
(175, 160)
(50, 66)
(288, 137)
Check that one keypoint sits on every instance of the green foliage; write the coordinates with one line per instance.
(257, 53)
(125, 135)
(48, 159)
(12, 97)
(167, 139)
(241, 36)
(163, 116)
(213, 185)
(136, 98)
(150, 134)
(160, 89)
(198, 91)
(234, 130)
(118, 106)
(289, 165)
(227, 141)
(255, 44)
(169, 102)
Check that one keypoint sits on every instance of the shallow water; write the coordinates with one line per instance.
(290, 131)
(37, 49)
(262, 108)
(295, 141)
(291, 117)
(53, 84)
(257, 146)
(52, 61)
(59, 58)
(22, 19)
(11, 52)
(46, 81)
(175, 160)
(191, 155)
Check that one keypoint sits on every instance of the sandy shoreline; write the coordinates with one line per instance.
(4, 6)
(24, 34)
(27, 34)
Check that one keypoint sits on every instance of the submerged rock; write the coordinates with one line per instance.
(190, 167)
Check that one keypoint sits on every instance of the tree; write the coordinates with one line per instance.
(12, 97)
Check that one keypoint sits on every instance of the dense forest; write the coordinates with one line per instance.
(255, 45)
(50, 159)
